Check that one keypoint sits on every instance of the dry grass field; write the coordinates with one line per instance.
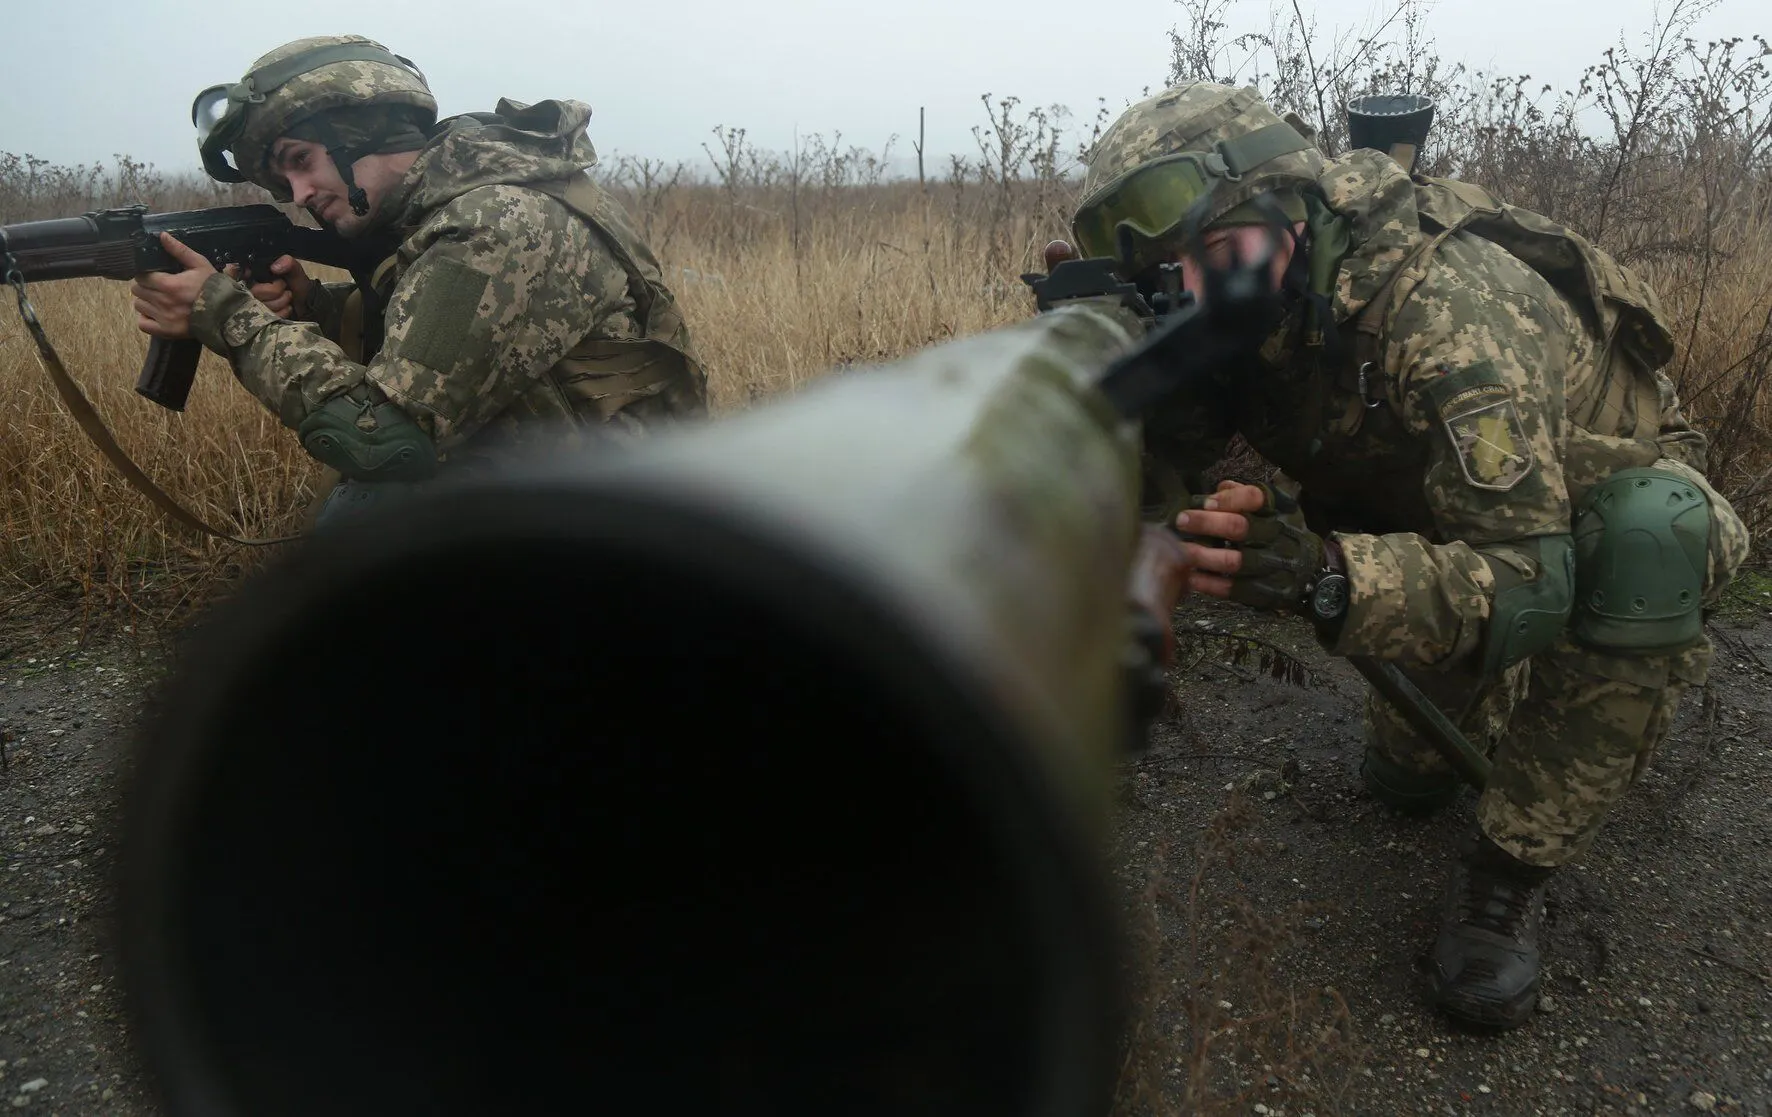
(878, 272)
(792, 263)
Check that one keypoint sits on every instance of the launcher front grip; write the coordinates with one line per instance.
(169, 371)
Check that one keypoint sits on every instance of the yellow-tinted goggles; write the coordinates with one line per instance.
(1156, 200)
(1152, 201)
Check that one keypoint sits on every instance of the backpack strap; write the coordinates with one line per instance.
(1468, 203)
(1364, 374)
(362, 326)
(653, 303)
(663, 354)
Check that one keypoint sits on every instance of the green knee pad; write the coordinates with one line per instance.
(1642, 540)
(1405, 790)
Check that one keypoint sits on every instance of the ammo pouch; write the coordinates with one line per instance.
(602, 376)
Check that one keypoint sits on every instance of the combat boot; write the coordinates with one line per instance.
(1486, 960)
(1404, 790)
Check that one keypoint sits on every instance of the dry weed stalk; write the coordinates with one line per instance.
(791, 264)
(1219, 1021)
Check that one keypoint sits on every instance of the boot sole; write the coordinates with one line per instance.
(1483, 1011)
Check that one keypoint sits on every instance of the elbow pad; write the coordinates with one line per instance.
(368, 441)
(1527, 612)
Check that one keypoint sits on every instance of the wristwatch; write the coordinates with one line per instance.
(1325, 602)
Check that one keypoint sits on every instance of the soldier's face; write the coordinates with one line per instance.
(1239, 243)
(313, 178)
(316, 185)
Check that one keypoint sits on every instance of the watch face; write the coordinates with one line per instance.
(1330, 599)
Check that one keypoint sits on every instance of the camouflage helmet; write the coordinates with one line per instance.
(1241, 149)
(290, 84)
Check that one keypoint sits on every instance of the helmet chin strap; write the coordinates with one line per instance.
(343, 158)
(1315, 327)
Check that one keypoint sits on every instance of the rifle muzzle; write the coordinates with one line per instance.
(648, 786)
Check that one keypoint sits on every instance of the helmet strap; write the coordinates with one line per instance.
(1330, 239)
(1319, 324)
(358, 199)
(352, 134)
(343, 158)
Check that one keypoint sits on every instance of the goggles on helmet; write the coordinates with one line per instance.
(219, 112)
(1154, 201)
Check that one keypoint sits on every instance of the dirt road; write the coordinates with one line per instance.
(1281, 912)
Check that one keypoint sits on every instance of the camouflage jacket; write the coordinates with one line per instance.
(513, 301)
(1422, 505)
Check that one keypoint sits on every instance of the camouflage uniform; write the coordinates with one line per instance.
(1480, 423)
(519, 300)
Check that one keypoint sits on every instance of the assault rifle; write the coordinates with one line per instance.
(124, 243)
(763, 765)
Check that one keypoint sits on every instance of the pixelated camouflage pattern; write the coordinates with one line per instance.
(476, 216)
(1585, 731)
(1194, 117)
(1571, 727)
(1568, 732)
(335, 85)
(1481, 708)
(1414, 601)
(1577, 725)
(1475, 305)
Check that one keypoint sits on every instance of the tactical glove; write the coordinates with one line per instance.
(1281, 557)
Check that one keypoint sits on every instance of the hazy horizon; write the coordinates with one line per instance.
(776, 68)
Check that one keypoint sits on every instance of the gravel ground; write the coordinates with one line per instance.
(63, 1046)
(1280, 913)
(1659, 952)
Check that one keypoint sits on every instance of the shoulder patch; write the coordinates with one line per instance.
(1477, 410)
(444, 307)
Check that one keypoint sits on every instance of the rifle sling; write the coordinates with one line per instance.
(1370, 322)
(95, 429)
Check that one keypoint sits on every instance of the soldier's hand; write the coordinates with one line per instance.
(1256, 549)
(163, 300)
(1220, 516)
(287, 292)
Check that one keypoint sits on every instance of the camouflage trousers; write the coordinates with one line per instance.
(1568, 731)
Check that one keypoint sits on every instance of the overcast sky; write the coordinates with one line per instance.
(85, 79)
